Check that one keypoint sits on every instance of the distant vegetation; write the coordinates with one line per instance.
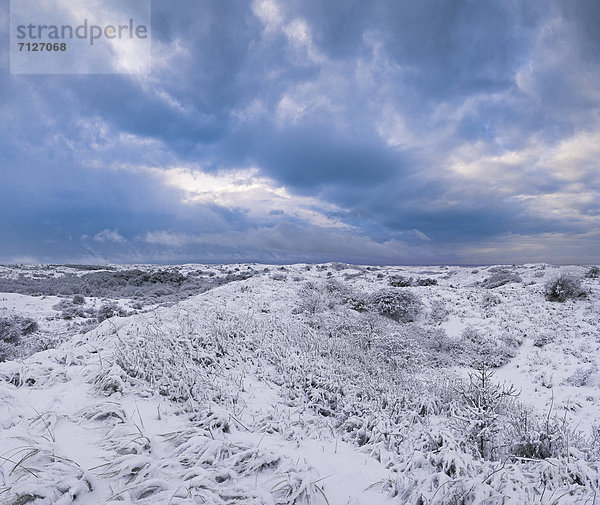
(164, 285)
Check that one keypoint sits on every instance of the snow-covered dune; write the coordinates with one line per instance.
(330, 384)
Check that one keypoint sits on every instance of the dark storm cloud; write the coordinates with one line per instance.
(455, 47)
(585, 15)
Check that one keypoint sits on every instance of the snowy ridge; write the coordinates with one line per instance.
(288, 387)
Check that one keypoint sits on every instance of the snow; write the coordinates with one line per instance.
(247, 393)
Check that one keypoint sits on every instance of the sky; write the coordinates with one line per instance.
(272, 131)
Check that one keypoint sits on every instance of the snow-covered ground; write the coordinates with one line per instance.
(324, 384)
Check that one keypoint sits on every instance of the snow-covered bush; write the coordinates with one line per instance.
(368, 328)
(334, 287)
(484, 403)
(581, 376)
(399, 281)
(411, 347)
(27, 325)
(483, 349)
(541, 339)
(399, 349)
(7, 351)
(489, 300)
(500, 278)
(530, 436)
(11, 331)
(438, 312)
(563, 287)
(337, 266)
(593, 272)
(318, 297)
(311, 300)
(357, 301)
(425, 281)
(501, 427)
(13, 328)
(398, 304)
(78, 300)
(445, 350)
(109, 310)
(70, 309)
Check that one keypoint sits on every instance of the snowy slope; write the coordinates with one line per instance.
(288, 387)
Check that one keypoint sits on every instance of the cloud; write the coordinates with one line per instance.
(559, 181)
(170, 239)
(247, 189)
(291, 242)
(560, 248)
(395, 130)
(109, 236)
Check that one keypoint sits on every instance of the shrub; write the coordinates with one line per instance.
(530, 436)
(13, 328)
(484, 403)
(426, 281)
(399, 349)
(581, 376)
(333, 287)
(439, 312)
(593, 272)
(442, 347)
(356, 301)
(542, 339)
(340, 266)
(78, 300)
(563, 287)
(7, 351)
(500, 278)
(317, 297)
(486, 350)
(11, 331)
(69, 309)
(490, 300)
(27, 325)
(109, 310)
(397, 304)
(311, 301)
(399, 281)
